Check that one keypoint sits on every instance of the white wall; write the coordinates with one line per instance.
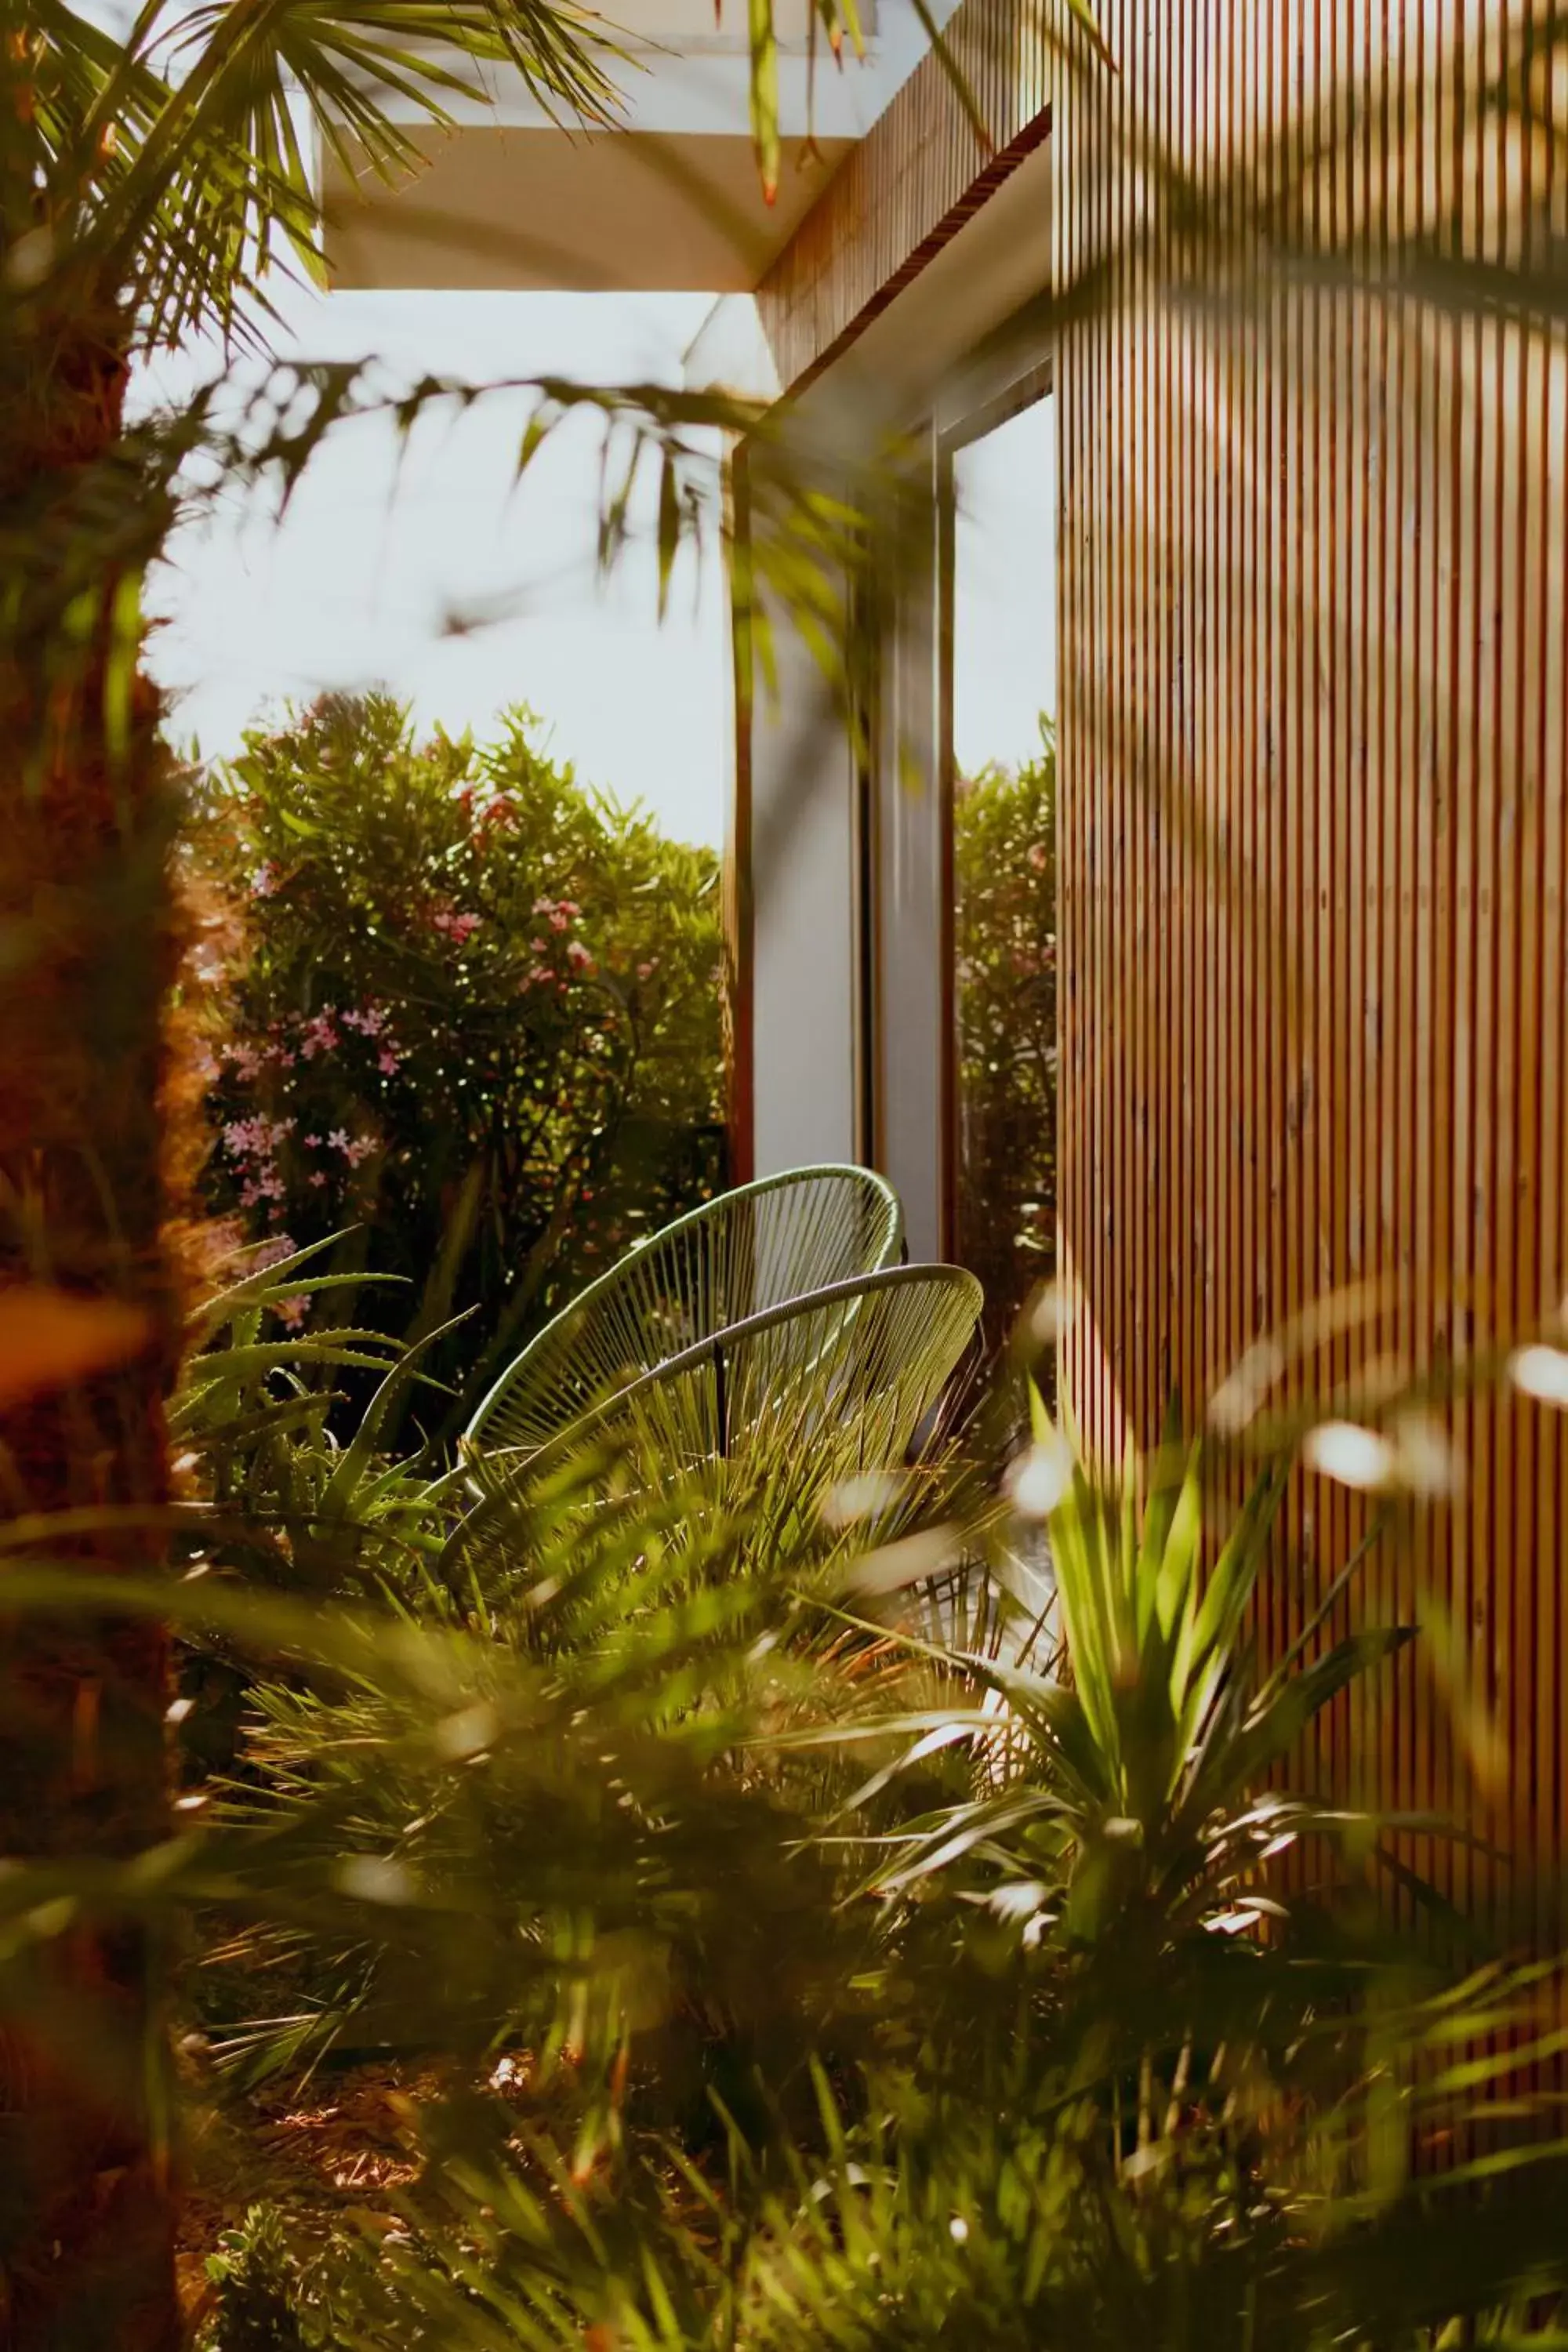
(803, 970)
(909, 883)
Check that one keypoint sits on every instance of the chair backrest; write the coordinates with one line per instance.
(734, 1258)
(792, 1402)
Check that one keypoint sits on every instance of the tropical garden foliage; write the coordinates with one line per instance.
(154, 179)
(744, 1950)
(151, 178)
(711, 1946)
(470, 1011)
(1005, 911)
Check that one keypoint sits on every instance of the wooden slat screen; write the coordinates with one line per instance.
(1313, 746)
(909, 185)
(1313, 534)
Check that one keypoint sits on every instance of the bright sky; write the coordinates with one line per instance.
(1005, 601)
(351, 588)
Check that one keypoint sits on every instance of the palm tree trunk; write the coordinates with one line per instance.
(87, 951)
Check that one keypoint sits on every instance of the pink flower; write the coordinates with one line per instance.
(578, 954)
(247, 1137)
(540, 947)
(458, 928)
(560, 920)
(389, 1062)
(293, 1311)
(264, 881)
(320, 1035)
(314, 1142)
(318, 1176)
(370, 1021)
(339, 1140)
(1037, 854)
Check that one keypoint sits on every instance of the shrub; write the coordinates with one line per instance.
(766, 1990)
(258, 2292)
(471, 1009)
(1005, 944)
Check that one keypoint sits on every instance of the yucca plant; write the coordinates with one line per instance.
(476, 1810)
(1100, 1828)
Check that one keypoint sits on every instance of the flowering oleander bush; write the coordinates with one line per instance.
(1005, 939)
(463, 1007)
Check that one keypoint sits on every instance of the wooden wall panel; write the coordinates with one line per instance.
(1312, 545)
(909, 185)
(1313, 537)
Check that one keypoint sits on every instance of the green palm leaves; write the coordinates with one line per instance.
(178, 166)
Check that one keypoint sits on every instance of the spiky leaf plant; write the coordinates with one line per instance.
(728, 2039)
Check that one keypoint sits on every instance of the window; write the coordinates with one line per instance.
(999, 640)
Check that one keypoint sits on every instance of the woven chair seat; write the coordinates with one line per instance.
(737, 1256)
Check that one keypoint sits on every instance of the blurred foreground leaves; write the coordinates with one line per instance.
(777, 1974)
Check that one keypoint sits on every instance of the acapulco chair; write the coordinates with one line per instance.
(737, 1256)
(785, 1407)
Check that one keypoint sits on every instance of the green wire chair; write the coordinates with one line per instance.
(758, 1247)
(786, 1406)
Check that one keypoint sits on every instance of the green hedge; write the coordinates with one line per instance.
(459, 1003)
(1005, 953)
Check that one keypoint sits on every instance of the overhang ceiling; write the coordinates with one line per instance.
(522, 207)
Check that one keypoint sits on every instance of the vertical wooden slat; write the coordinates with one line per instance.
(1271, 969)
(1419, 765)
(1553, 755)
(1391, 1596)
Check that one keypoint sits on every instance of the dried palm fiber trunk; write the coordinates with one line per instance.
(87, 951)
